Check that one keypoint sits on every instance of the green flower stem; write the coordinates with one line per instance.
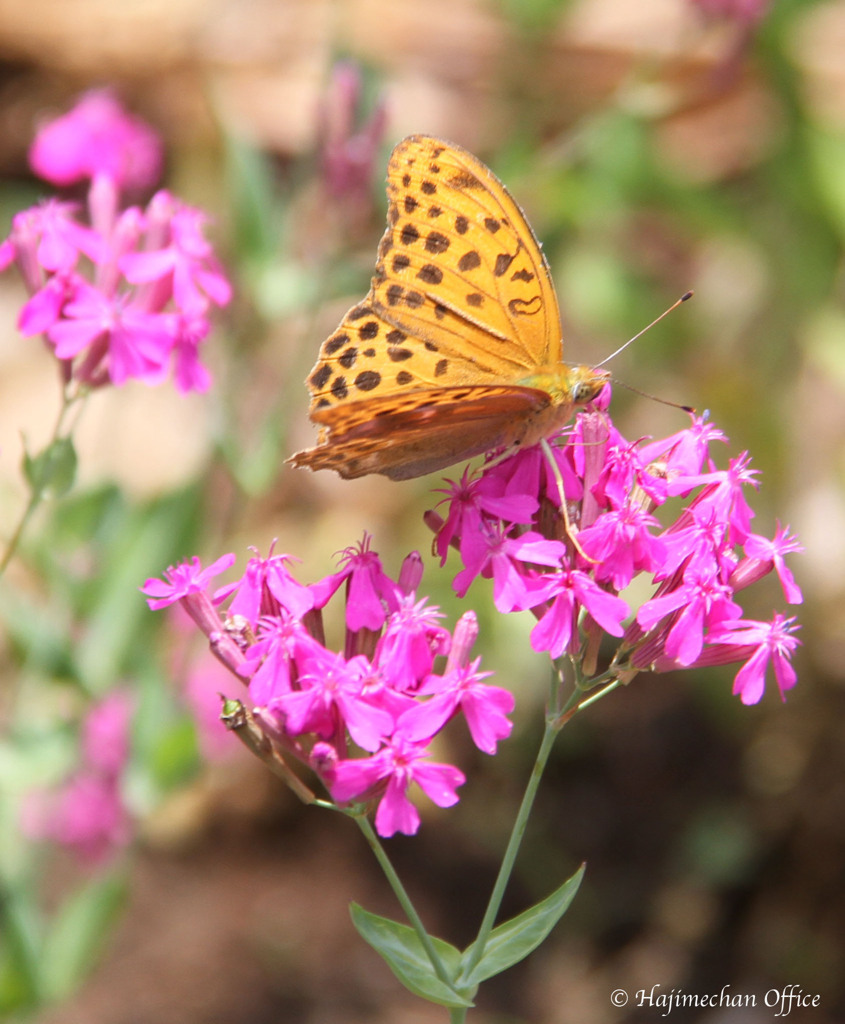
(584, 704)
(38, 491)
(12, 546)
(404, 899)
(552, 728)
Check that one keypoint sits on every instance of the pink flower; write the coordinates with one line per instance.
(761, 643)
(266, 587)
(724, 494)
(701, 601)
(97, 137)
(182, 580)
(745, 12)
(410, 642)
(622, 546)
(56, 236)
(128, 294)
(483, 706)
(188, 333)
(321, 707)
(186, 264)
(134, 344)
(568, 592)
(683, 453)
(43, 310)
(270, 664)
(623, 467)
(188, 584)
(468, 503)
(330, 699)
(87, 812)
(513, 587)
(371, 594)
(392, 771)
(764, 555)
(697, 540)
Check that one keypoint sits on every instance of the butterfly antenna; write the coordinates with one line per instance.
(663, 401)
(639, 334)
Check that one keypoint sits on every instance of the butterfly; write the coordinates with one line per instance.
(456, 351)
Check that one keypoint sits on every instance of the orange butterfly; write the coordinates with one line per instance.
(456, 350)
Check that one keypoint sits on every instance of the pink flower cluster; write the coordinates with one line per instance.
(362, 718)
(505, 524)
(127, 294)
(87, 812)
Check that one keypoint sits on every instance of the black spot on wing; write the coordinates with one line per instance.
(319, 378)
(430, 274)
(335, 343)
(367, 380)
(436, 242)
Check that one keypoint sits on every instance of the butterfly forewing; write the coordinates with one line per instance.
(368, 356)
(461, 295)
(460, 266)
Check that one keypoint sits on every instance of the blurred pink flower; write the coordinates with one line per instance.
(128, 294)
(87, 815)
(97, 137)
(87, 812)
(350, 142)
(105, 732)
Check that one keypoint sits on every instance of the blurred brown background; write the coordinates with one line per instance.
(714, 835)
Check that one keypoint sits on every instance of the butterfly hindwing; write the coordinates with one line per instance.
(426, 432)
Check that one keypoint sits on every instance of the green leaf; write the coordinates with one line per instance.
(515, 939)
(20, 961)
(250, 184)
(51, 473)
(151, 537)
(78, 934)
(400, 946)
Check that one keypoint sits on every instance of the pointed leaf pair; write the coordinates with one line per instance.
(506, 945)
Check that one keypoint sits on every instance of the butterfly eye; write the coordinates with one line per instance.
(584, 391)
